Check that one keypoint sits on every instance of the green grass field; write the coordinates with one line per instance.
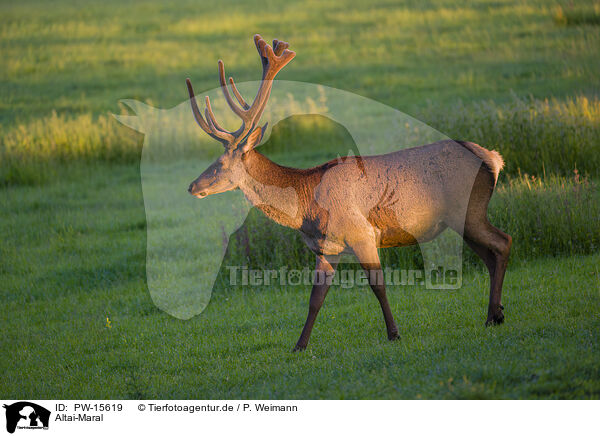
(77, 318)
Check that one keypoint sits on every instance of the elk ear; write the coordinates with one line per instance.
(254, 138)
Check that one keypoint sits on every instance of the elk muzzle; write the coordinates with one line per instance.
(198, 189)
(213, 181)
(192, 190)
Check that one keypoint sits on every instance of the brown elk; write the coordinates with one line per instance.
(338, 205)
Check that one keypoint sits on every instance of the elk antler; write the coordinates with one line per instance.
(273, 59)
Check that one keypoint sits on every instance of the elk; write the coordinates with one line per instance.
(361, 203)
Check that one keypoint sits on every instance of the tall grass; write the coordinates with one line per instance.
(36, 152)
(575, 14)
(534, 136)
(550, 215)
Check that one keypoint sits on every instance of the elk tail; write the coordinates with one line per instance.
(491, 158)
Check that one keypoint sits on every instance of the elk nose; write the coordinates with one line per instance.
(191, 188)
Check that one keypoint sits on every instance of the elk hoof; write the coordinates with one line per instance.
(299, 347)
(393, 336)
(495, 318)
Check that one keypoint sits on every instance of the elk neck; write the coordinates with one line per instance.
(281, 193)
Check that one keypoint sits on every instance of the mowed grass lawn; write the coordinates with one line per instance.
(76, 316)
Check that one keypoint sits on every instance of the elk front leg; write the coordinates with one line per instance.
(324, 272)
(367, 255)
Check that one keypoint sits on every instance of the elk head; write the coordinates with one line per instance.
(226, 172)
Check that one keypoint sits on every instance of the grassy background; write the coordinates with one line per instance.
(517, 76)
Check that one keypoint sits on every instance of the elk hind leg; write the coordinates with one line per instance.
(367, 255)
(492, 245)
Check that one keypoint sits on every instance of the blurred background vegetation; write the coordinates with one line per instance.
(521, 77)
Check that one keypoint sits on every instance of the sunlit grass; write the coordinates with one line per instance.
(534, 136)
(580, 13)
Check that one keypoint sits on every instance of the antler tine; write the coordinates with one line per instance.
(272, 64)
(273, 58)
(239, 97)
(224, 137)
(198, 116)
(260, 46)
(216, 129)
(195, 109)
(279, 46)
(210, 116)
(234, 107)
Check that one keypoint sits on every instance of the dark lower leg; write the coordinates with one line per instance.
(486, 255)
(368, 257)
(489, 258)
(495, 314)
(378, 287)
(493, 246)
(324, 271)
